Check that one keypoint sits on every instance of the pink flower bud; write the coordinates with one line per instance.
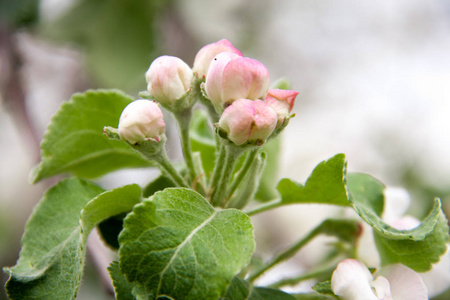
(207, 53)
(282, 102)
(141, 120)
(248, 121)
(231, 77)
(168, 78)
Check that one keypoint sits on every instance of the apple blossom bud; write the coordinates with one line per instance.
(282, 102)
(168, 78)
(207, 53)
(248, 121)
(141, 120)
(231, 77)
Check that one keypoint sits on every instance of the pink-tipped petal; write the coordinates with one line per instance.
(168, 78)
(248, 121)
(207, 53)
(286, 96)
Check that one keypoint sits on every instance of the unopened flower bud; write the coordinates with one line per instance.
(248, 121)
(282, 102)
(168, 78)
(231, 77)
(208, 52)
(141, 120)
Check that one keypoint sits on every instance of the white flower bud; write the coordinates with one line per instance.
(141, 120)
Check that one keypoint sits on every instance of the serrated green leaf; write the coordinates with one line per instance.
(418, 248)
(326, 185)
(122, 288)
(177, 245)
(368, 190)
(51, 261)
(74, 141)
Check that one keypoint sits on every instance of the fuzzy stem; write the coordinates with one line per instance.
(165, 164)
(231, 154)
(264, 207)
(288, 253)
(248, 162)
(217, 172)
(184, 118)
(323, 273)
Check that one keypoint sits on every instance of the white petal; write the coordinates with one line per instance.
(382, 288)
(351, 280)
(405, 283)
(397, 201)
(405, 223)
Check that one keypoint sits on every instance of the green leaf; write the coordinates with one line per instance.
(323, 288)
(177, 245)
(368, 190)
(240, 289)
(122, 288)
(418, 248)
(267, 186)
(74, 141)
(203, 140)
(19, 13)
(51, 261)
(326, 185)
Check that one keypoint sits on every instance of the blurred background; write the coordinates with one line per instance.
(373, 77)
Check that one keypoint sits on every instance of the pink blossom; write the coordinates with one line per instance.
(141, 120)
(207, 53)
(282, 102)
(231, 77)
(168, 78)
(248, 121)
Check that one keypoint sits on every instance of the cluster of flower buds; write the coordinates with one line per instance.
(237, 86)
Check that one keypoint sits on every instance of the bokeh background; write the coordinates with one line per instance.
(373, 77)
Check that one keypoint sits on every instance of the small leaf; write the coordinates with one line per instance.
(418, 248)
(177, 245)
(122, 288)
(326, 185)
(74, 141)
(51, 261)
(323, 288)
